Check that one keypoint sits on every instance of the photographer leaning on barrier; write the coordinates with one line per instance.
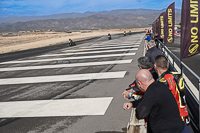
(133, 91)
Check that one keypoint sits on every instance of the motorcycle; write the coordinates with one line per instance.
(124, 33)
(71, 43)
(109, 37)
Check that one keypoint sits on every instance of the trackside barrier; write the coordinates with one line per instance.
(135, 125)
(192, 97)
(193, 94)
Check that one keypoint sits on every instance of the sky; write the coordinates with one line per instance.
(10, 8)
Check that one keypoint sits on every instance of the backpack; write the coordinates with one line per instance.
(180, 85)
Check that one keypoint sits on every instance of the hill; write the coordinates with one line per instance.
(89, 20)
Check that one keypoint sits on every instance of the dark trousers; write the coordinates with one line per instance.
(186, 129)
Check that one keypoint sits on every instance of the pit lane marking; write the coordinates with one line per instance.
(49, 108)
(69, 58)
(65, 65)
(64, 78)
(106, 51)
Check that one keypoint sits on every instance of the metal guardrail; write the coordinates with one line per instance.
(194, 97)
(183, 65)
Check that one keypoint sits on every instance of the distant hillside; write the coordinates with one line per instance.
(123, 19)
(12, 20)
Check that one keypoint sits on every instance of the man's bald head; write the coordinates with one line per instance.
(143, 79)
(144, 75)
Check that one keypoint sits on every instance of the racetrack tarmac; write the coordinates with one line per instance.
(68, 92)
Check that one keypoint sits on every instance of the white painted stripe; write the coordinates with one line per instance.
(49, 108)
(65, 65)
(107, 51)
(103, 46)
(100, 48)
(131, 43)
(69, 58)
(59, 78)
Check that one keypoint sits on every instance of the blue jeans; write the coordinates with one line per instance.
(186, 129)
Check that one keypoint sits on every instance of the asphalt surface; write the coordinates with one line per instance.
(115, 118)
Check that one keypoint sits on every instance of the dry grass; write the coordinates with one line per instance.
(23, 41)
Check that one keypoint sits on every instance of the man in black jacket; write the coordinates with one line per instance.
(152, 51)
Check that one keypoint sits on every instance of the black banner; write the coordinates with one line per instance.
(161, 32)
(154, 27)
(158, 27)
(169, 24)
(190, 28)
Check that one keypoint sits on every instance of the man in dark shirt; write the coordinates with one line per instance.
(156, 40)
(158, 105)
(152, 52)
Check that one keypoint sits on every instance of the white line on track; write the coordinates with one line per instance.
(65, 65)
(106, 51)
(96, 48)
(59, 78)
(69, 58)
(49, 108)
(132, 43)
(103, 46)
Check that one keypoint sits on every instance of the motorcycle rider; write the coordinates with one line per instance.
(71, 42)
(109, 36)
(124, 33)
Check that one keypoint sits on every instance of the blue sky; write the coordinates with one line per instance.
(47, 7)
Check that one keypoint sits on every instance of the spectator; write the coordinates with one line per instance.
(172, 80)
(152, 52)
(148, 38)
(156, 40)
(158, 106)
(145, 63)
(133, 91)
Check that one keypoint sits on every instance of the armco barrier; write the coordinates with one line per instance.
(192, 97)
